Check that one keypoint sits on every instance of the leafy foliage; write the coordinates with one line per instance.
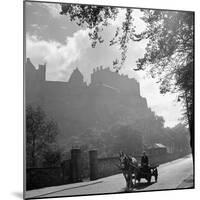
(178, 138)
(40, 135)
(92, 17)
(169, 53)
(170, 57)
(52, 157)
(170, 46)
(96, 18)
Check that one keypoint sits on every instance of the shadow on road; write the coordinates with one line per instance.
(138, 186)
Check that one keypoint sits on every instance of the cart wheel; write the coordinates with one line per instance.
(149, 179)
(156, 175)
(156, 178)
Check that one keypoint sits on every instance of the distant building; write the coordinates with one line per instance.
(157, 149)
(109, 99)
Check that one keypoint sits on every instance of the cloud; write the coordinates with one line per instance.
(59, 57)
(76, 51)
(53, 9)
(165, 105)
(36, 26)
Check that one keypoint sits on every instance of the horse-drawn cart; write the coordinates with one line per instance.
(146, 172)
(131, 169)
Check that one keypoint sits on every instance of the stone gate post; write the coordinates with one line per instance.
(76, 165)
(93, 161)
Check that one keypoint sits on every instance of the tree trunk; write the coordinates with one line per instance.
(191, 128)
(33, 152)
(190, 116)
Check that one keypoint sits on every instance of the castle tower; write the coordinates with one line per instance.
(76, 78)
(34, 82)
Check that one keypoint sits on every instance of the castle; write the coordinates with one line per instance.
(109, 99)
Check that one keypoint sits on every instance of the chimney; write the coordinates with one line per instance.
(42, 72)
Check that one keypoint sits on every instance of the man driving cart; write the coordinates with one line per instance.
(144, 161)
(146, 170)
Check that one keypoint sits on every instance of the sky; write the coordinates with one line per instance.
(53, 39)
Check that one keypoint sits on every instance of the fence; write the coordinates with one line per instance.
(44, 177)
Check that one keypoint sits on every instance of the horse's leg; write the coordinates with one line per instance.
(131, 182)
(135, 178)
(135, 181)
(126, 178)
(127, 181)
(130, 179)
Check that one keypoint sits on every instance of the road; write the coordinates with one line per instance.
(171, 175)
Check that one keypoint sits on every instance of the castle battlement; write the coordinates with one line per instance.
(110, 98)
(100, 75)
(122, 82)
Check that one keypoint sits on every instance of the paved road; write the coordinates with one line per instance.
(171, 175)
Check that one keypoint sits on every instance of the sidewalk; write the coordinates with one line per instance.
(110, 184)
(53, 189)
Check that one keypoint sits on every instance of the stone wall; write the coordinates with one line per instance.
(160, 159)
(70, 171)
(110, 166)
(75, 170)
(45, 177)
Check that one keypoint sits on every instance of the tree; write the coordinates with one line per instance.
(52, 157)
(169, 56)
(177, 138)
(40, 135)
(181, 138)
(128, 140)
(169, 53)
(96, 18)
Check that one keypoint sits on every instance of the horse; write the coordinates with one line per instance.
(129, 166)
